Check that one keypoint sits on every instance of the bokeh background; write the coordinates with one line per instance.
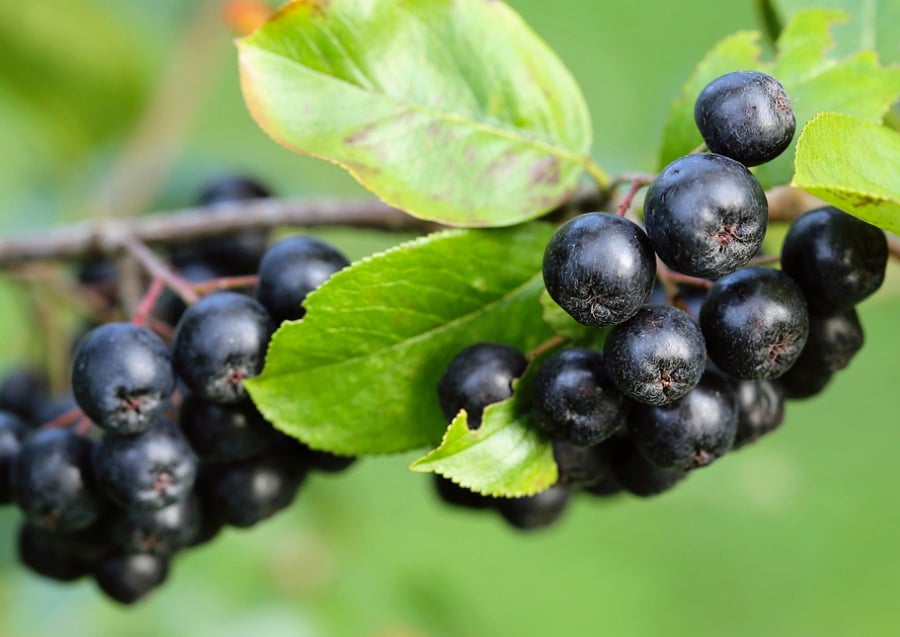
(122, 107)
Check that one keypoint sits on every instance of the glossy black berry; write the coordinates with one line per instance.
(579, 466)
(834, 339)
(122, 377)
(249, 491)
(220, 433)
(801, 382)
(24, 391)
(220, 341)
(52, 481)
(64, 558)
(234, 253)
(836, 259)
(147, 471)
(575, 400)
(291, 269)
(479, 375)
(755, 323)
(160, 532)
(599, 268)
(690, 432)
(536, 511)
(459, 496)
(706, 215)
(127, 578)
(656, 356)
(745, 115)
(760, 409)
(632, 472)
(12, 434)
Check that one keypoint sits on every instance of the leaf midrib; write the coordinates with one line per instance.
(410, 342)
(576, 157)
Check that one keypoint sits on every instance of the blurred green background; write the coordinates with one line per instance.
(113, 108)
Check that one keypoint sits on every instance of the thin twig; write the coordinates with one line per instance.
(625, 204)
(107, 238)
(159, 270)
(550, 344)
(225, 283)
(148, 301)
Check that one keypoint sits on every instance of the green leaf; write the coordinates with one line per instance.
(854, 165)
(506, 456)
(358, 375)
(453, 110)
(856, 85)
(875, 24)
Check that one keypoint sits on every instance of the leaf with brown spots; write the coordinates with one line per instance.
(453, 110)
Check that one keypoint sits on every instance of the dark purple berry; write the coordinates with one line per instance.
(220, 433)
(801, 382)
(12, 434)
(235, 253)
(579, 466)
(127, 578)
(478, 376)
(635, 474)
(249, 491)
(160, 532)
(599, 268)
(656, 356)
(122, 377)
(836, 259)
(755, 323)
(834, 339)
(534, 512)
(745, 115)
(690, 432)
(24, 391)
(64, 558)
(574, 398)
(147, 471)
(52, 481)
(291, 269)
(220, 341)
(459, 496)
(706, 215)
(760, 409)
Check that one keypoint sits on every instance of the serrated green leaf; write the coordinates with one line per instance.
(856, 85)
(506, 456)
(875, 24)
(558, 320)
(453, 110)
(854, 165)
(358, 375)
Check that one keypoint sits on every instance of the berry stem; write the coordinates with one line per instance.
(702, 148)
(225, 283)
(766, 259)
(667, 275)
(550, 344)
(625, 204)
(148, 301)
(64, 419)
(159, 270)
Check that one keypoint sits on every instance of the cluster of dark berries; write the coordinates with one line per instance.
(675, 388)
(165, 447)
